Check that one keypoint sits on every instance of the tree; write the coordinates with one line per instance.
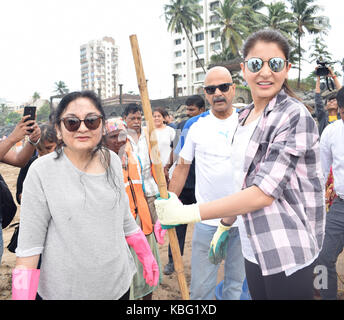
(251, 14)
(43, 113)
(61, 88)
(279, 18)
(13, 118)
(306, 21)
(35, 96)
(319, 51)
(183, 15)
(233, 28)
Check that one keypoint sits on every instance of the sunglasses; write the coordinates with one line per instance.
(224, 87)
(74, 123)
(275, 64)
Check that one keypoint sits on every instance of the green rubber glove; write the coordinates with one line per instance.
(172, 212)
(219, 244)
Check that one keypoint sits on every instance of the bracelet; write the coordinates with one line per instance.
(334, 77)
(34, 143)
(225, 224)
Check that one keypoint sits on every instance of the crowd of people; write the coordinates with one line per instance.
(262, 185)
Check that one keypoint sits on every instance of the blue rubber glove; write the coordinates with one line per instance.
(219, 244)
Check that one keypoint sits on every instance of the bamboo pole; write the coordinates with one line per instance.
(147, 110)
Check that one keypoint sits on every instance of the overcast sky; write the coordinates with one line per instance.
(40, 42)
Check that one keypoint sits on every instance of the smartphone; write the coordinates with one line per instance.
(30, 110)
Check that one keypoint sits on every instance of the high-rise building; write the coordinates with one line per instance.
(206, 42)
(99, 67)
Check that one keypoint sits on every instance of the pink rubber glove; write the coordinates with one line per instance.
(143, 251)
(25, 284)
(159, 232)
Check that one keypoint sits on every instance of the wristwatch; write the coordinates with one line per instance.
(34, 143)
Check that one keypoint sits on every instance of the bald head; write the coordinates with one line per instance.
(219, 91)
(215, 73)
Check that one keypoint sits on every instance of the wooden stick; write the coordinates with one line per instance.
(147, 110)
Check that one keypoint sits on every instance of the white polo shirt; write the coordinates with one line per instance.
(209, 141)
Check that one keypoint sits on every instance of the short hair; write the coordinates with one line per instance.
(340, 98)
(195, 100)
(131, 108)
(331, 96)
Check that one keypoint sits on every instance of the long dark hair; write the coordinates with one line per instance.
(101, 146)
(269, 35)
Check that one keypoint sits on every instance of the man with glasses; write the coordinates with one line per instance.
(208, 142)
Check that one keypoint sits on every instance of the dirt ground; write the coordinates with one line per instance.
(169, 288)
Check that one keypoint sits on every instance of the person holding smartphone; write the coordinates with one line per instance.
(18, 159)
(277, 159)
(75, 212)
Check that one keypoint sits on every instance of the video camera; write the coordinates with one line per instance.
(323, 71)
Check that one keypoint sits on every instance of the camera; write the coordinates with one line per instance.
(322, 70)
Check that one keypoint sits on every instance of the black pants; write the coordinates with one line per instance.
(297, 286)
(186, 197)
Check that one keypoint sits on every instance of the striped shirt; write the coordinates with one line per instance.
(283, 160)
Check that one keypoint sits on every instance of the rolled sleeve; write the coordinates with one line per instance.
(291, 142)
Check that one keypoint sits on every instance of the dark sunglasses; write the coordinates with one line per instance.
(275, 64)
(223, 87)
(74, 123)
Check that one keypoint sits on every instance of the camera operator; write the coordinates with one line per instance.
(328, 114)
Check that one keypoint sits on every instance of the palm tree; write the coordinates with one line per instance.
(252, 16)
(233, 28)
(61, 88)
(306, 20)
(35, 96)
(183, 15)
(319, 51)
(279, 18)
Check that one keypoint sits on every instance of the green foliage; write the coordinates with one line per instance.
(184, 15)
(12, 118)
(61, 88)
(43, 113)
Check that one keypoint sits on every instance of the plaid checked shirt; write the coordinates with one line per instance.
(283, 160)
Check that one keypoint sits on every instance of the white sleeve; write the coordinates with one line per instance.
(188, 150)
(325, 151)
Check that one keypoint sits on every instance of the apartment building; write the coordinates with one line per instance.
(99, 67)
(206, 41)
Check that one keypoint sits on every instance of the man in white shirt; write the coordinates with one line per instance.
(208, 142)
(332, 154)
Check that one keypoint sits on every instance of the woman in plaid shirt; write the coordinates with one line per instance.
(282, 198)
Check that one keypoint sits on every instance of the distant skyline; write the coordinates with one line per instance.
(40, 43)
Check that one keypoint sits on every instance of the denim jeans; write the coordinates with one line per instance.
(332, 247)
(204, 273)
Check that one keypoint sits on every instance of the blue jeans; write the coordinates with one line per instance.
(332, 247)
(204, 273)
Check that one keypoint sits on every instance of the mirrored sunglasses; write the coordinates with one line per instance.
(275, 64)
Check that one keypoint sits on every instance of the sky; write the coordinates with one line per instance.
(40, 43)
